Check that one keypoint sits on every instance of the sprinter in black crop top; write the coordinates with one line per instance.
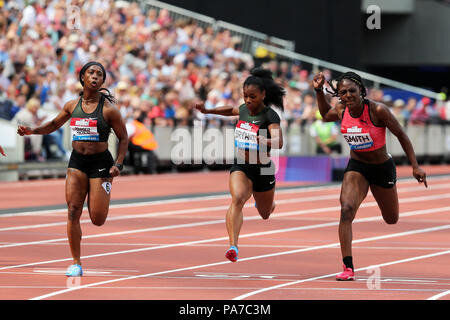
(91, 167)
(257, 131)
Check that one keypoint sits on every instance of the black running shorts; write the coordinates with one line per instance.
(261, 175)
(93, 165)
(383, 174)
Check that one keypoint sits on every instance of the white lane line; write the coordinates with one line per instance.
(216, 197)
(196, 224)
(440, 295)
(255, 234)
(219, 288)
(169, 201)
(207, 209)
(244, 296)
(411, 232)
(170, 212)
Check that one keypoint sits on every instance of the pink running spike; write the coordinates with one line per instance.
(347, 275)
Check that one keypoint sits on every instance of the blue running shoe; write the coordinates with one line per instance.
(74, 270)
(232, 254)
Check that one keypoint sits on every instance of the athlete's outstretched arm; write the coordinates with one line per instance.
(223, 111)
(52, 125)
(384, 114)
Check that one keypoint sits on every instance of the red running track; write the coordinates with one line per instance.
(173, 249)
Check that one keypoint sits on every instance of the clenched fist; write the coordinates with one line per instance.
(24, 131)
(318, 81)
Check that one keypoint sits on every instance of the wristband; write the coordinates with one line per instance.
(119, 166)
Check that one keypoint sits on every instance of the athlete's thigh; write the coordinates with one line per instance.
(99, 195)
(354, 189)
(77, 186)
(240, 185)
(387, 199)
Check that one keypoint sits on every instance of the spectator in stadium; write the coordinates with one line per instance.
(91, 166)
(308, 107)
(148, 57)
(29, 14)
(62, 50)
(6, 106)
(397, 110)
(409, 108)
(257, 131)
(420, 114)
(29, 117)
(363, 124)
(142, 143)
(325, 135)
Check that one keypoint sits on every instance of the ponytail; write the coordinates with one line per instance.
(262, 78)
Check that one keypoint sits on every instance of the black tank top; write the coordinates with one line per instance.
(89, 126)
(249, 127)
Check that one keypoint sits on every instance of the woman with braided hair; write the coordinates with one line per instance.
(363, 125)
(91, 167)
(257, 131)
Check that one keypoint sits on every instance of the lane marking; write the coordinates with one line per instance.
(196, 224)
(439, 228)
(63, 271)
(244, 296)
(206, 198)
(440, 295)
(161, 213)
(308, 227)
(181, 199)
(207, 209)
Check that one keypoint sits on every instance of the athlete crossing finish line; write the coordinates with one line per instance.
(363, 125)
(91, 167)
(257, 131)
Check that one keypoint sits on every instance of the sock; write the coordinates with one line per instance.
(348, 261)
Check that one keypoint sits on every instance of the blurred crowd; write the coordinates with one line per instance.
(157, 68)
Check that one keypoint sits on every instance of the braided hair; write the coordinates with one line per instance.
(352, 77)
(262, 78)
(108, 94)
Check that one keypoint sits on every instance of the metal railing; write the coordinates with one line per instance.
(247, 35)
(251, 39)
(317, 63)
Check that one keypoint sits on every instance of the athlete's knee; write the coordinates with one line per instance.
(98, 218)
(239, 200)
(348, 212)
(98, 221)
(391, 218)
(74, 212)
(265, 214)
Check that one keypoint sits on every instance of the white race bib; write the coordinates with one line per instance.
(245, 136)
(358, 141)
(84, 129)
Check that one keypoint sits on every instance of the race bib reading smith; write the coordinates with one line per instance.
(357, 139)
